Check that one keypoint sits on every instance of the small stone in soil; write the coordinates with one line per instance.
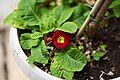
(113, 69)
(87, 53)
(106, 58)
(100, 77)
(84, 72)
(92, 66)
(119, 46)
(87, 45)
(82, 38)
(91, 77)
(117, 38)
(90, 43)
(110, 73)
(46, 70)
(49, 72)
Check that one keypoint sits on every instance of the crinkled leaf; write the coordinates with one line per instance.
(29, 11)
(55, 69)
(36, 35)
(15, 20)
(73, 59)
(27, 42)
(68, 75)
(97, 55)
(68, 27)
(58, 72)
(65, 15)
(67, 62)
(79, 21)
(39, 54)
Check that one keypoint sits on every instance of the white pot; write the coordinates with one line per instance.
(33, 72)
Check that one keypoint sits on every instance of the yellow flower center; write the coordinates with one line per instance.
(60, 39)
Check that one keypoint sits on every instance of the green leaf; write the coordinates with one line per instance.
(14, 20)
(115, 4)
(65, 15)
(68, 75)
(55, 69)
(58, 72)
(41, 1)
(48, 31)
(44, 22)
(116, 11)
(103, 46)
(79, 11)
(48, 22)
(29, 11)
(57, 11)
(81, 47)
(67, 62)
(39, 54)
(27, 42)
(72, 60)
(68, 27)
(79, 21)
(36, 35)
(86, 13)
(97, 55)
(67, 1)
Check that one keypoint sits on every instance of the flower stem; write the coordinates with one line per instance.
(92, 14)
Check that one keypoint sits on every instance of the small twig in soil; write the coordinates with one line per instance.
(92, 14)
(100, 77)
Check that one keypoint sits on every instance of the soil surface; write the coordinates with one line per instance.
(109, 66)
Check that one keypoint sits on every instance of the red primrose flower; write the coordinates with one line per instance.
(61, 39)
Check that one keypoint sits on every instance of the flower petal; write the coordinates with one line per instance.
(56, 44)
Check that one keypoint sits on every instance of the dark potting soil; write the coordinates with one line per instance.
(109, 66)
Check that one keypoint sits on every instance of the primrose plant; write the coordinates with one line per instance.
(47, 33)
